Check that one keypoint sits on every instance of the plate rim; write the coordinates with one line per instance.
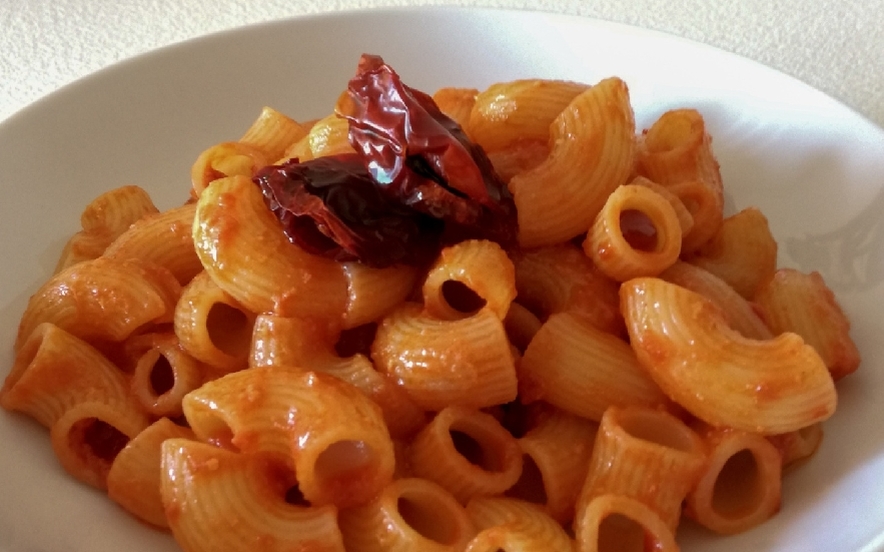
(169, 49)
(386, 11)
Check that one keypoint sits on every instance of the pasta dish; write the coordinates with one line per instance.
(474, 321)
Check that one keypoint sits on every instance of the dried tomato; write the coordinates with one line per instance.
(331, 206)
(415, 183)
(423, 158)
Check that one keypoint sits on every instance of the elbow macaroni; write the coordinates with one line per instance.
(190, 362)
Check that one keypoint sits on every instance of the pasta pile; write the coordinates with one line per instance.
(637, 358)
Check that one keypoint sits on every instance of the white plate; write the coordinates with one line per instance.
(813, 166)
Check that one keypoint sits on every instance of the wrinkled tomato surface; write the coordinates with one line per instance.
(332, 207)
(415, 183)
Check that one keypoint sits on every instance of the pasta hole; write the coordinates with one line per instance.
(738, 486)
(515, 418)
(638, 230)
(474, 452)
(294, 497)
(282, 480)
(98, 439)
(651, 427)
(529, 487)
(229, 329)
(162, 376)
(619, 533)
(424, 517)
(354, 341)
(461, 297)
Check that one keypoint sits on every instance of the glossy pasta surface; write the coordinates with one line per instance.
(629, 356)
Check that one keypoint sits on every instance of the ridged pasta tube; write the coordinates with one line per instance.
(721, 377)
(244, 250)
(802, 303)
(555, 456)
(468, 276)
(279, 341)
(592, 153)
(224, 160)
(513, 525)
(103, 220)
(88, 437)
(54, 370)
(616, 522)
(134, 478)
(272, 133)
(740, 314)
(163, 373)
(464, 362)
(637, 233)
(677, 153)
(327, 430)
(216, 499)
(456, 103)
(468, 452)
(519, 110)
(410, 514)
(373, 293)
(562, 278)
(648, 455)
(743, 252)
(580, 369)
(212, 326)
(740, 487)
(164, 239)
(102, 299)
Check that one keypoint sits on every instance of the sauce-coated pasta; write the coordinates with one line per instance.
(483, 320)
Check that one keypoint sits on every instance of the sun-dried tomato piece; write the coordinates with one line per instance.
(423, 158)
(415, 183)
(331, 206)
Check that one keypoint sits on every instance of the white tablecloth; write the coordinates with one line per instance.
(836, 46)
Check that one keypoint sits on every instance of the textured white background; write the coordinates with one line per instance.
(834, 45)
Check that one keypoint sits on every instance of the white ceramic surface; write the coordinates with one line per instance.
(838, 47)
(813, 166)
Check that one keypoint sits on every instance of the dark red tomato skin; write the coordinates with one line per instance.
(331, 206)
(415, 183)
(422, 157)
